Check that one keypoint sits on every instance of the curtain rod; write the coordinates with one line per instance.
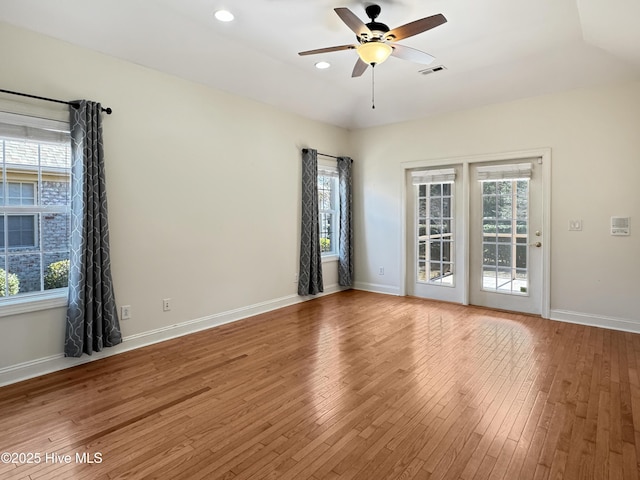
(74, 104)
(323, 154)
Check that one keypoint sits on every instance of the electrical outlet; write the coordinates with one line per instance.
(125, 312)
(166, 304)
(295, 278)
(381, 271)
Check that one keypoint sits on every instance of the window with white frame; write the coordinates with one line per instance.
(35, 173)
(434, 226)
(328, 210)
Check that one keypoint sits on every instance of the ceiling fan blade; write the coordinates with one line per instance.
(353, 22)
(328, 49)
(411, 54)
(414, 28)
(359, 68)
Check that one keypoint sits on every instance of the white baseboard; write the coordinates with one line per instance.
(613, 323)
(376, 288)
(53, 363)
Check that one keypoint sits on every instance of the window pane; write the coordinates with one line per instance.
(435, 251)
(56, 230)
(327, 234)
(435, 207)
(56, 274)
(504, 255)
(422, 207)
(504, 227)
(489, 207)
(55, 191)
(14, 193)
(488, 188)
(28, 193)
(422, 251)
(435, 227)
(489, 254)
(13, 281)
(489, 230)
(55, 155)
(446, 207)
(422, 272)
(21, 230)
(447, 251)
(504, 187)
(27, 268)
(505, 207)
(521, 256)
(435, 270)
(489, 278)
(21, 153)
(522, 199)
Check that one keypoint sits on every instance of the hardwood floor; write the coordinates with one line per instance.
(349, 386)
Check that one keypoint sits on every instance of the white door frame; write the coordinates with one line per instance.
(543, 153)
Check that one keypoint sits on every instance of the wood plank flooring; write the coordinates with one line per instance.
(353, 385)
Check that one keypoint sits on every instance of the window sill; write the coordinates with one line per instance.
(33, 303)
(330, 258)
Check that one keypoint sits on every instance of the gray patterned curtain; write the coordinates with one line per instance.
(345, 239)
(92, 320)
(310, 272)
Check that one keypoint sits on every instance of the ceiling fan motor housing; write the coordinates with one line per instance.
(377, 29)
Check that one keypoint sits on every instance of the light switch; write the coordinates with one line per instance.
(575, 225)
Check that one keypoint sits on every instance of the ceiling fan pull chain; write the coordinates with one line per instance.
(373, 86)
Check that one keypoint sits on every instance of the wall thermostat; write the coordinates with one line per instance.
(620, 226)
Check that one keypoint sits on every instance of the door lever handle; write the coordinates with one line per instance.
(537, 244)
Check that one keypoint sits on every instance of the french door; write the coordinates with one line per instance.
(435, 212)
(477, 236)
(505, 236)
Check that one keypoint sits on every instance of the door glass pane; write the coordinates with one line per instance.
(504, 237)
(435, 244)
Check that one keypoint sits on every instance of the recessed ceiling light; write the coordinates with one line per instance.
(322, 65)
(224, 15)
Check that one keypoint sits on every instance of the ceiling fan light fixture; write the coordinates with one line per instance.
(224, 15)
(374, 53)
(322, 65)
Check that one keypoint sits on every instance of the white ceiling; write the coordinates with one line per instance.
(493, 50)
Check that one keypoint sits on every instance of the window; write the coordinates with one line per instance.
(35, 166)
(434, 220)
(505, 235)
(328, 210)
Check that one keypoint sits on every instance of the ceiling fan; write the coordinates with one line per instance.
(376, 41)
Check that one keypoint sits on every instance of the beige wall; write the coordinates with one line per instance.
(594, 136)
(203, 190)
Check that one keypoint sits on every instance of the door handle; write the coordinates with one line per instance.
(537, 244)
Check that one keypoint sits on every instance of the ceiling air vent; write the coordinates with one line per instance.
(428, 71)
